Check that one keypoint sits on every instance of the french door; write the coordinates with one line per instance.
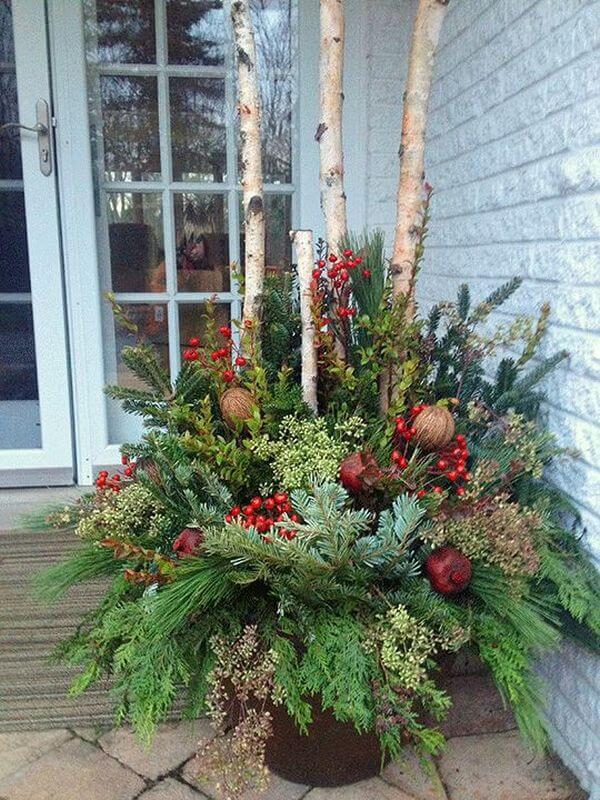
(149, 182)
(35, 417)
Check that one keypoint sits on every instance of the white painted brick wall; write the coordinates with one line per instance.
(514, 158)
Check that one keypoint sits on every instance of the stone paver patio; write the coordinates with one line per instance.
(83, 764)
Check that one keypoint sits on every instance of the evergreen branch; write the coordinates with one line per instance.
(464, 301)
(200, 584)
(534, 376)
(533, 342)
(494, 300)
(143, 361)
(85, 564)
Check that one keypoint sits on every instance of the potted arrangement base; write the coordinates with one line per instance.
(327, 565)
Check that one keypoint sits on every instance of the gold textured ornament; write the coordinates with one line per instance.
(237, 405)
(434, 428)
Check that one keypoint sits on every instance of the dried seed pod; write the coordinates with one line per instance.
(237, 405)
(434, 428)
(188, 541)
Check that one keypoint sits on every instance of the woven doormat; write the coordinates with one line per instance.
(33, 693)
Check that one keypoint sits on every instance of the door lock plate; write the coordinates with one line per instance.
(44, 134)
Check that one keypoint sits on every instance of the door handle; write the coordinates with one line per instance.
(37, 128)
(44, 133)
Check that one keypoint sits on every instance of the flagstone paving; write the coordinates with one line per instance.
(89, 764)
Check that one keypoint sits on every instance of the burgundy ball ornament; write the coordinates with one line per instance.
(187, 542)
(448, 570)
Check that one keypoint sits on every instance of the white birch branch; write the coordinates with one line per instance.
(425, 37)
(329, 132)
(303, 242)
(251, 159)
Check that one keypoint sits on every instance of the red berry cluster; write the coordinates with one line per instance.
(263, 512)
(114, 482)
(451, 465)
(221, 360)
(334, 272)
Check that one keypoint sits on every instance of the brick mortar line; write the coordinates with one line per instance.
(462, 31)
(528, 242)
(592, 193)
(561, 109)
(550, 282)
(514, 57)
(512, 171)
(567, 64)
(463, 63)
(433, 165)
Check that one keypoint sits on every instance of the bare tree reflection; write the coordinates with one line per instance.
(130, 127)
(198, 128)
(123, 31)
(196, 32)
(272, 26)
(10, 149)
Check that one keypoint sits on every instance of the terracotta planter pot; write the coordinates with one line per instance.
(333, 753)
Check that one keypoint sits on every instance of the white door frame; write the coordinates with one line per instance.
(52, 463)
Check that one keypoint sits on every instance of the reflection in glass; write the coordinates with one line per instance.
(272, 26)
(123, 32)
(192, 320)
(152, 327)
(19, 407)
(130, 127)
(18, 380)
(196, 32)
(14, 272)
(278, 223)
(201, 230)
(198, 129)
(135, 232)
(10, 146)
(7, 45)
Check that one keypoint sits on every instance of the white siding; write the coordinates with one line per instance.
(514, 158)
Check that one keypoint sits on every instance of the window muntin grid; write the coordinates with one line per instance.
(146, 106)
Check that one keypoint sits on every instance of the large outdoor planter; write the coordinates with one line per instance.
(333, 753)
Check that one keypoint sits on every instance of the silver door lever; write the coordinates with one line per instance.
(44, 134)
(37, 128)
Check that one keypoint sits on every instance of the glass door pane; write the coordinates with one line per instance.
(19, 400)
(161, 90)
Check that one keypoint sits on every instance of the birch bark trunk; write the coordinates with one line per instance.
(303, 242)
(329, 131)
(410, 198)
(251, 160)
(425, 37)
